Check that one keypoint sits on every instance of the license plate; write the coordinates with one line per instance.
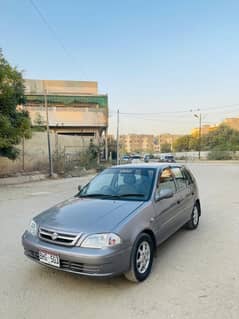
(49, 258)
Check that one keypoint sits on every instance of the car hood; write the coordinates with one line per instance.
(87, 215)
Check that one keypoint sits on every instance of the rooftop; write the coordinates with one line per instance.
(60, 87)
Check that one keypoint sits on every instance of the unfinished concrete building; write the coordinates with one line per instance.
(74, 107)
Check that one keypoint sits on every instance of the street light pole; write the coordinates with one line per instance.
(200, 135)
(117, 138)
(199, 116)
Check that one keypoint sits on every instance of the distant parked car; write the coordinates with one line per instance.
(115, 222)
(135, 159)
(148, 157)
(125, 159)
(167, 158)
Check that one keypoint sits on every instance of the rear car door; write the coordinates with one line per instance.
(185, 195)
(190, 192)
(166, 210)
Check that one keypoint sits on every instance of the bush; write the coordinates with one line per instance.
(219, 155)
(38, 129)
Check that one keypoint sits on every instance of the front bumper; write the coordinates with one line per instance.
(90, 262)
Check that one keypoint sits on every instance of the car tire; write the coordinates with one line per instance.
(194, 219)
(141, 258)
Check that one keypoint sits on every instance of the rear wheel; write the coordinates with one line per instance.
(141, 258)
(194, 220)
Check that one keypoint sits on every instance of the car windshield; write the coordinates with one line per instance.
(121, 183)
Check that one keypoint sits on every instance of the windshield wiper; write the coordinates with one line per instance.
(129, 195)
(113, 196)
(95, 195)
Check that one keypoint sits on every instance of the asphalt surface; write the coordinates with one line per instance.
(195, 274)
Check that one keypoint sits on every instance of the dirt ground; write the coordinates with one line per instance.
(195, 274)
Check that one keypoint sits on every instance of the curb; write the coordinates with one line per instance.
(22, 179)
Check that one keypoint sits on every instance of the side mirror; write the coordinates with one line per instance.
(164, 193)
(79, 190)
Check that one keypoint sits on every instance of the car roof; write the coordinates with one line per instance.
(148, 165)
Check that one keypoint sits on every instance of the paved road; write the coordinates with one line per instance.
(195, 275)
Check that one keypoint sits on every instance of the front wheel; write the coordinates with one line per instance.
(141, 258)
(194, 220)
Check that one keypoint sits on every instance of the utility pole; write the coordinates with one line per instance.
(199, 116)
(106, 145)
(117, 137)
(200, 135)
(23, 153)
(48, 135)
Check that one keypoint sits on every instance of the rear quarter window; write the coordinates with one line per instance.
(180, 177)
(188, 175)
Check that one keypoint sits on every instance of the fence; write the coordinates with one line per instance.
(205, 155)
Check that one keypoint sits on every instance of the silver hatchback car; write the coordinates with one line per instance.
(115, 222)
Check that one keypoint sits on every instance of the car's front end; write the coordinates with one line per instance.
(73, 252)
(78, 236)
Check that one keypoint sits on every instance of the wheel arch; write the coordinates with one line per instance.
(151, 234)
(131, 273)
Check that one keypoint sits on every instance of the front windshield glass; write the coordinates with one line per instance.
(121, 183)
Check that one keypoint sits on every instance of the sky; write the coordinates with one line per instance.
(156, 60)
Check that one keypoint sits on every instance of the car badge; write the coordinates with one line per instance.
(54, 236)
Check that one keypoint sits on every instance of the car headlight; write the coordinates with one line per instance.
(101, 241)
(32, 228)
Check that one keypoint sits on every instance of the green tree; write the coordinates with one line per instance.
(193, 143)
(39, 123)
(223, 138)
(165, 148)
(112, 148)
(93, 151)
(182, 144)
(14, 124)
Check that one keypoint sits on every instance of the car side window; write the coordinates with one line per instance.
(187, 176)
(181, 180)
(166, 181)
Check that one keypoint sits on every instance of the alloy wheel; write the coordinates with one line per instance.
(143, 256)
(195, 217)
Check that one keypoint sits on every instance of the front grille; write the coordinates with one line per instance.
(32, 254)
(59, 238)
(69, 265)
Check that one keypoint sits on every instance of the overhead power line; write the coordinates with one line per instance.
(52, 31)
(156, 119)
(214, 108)
(221, 107)
(49, 27)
